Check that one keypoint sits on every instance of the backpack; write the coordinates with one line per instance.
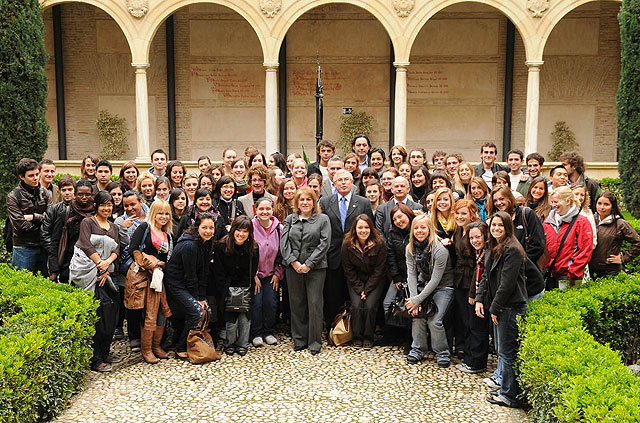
(8, 228)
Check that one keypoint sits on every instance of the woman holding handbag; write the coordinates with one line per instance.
(236, 259)
(304, 245)
(429, 274)
(187, 276)
(364, 262)
(266, 230)
(151, 247)
(503, 290)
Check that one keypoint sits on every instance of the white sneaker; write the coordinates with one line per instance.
(258, 342)
(491, 383)
(270, 340)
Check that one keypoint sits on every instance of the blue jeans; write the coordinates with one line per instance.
(33, 259)
(265, 306)
(238, 326)
(192, 314)
(506, 340)
(389, 297)
(442, 297)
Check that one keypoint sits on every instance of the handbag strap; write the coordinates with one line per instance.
(562, 242)
(204, 322)
(524, 225)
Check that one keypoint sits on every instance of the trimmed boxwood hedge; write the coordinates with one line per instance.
(45, 344)
(567, 367)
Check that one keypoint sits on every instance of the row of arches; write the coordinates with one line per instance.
(271, 32)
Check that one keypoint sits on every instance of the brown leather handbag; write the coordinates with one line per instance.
(200, 346)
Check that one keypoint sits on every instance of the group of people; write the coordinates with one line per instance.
(462, 247)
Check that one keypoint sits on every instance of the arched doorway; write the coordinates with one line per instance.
(579, 80)
(456, 82)
(97, 76)
(355, 54)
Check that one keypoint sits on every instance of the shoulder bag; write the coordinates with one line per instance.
(200, 346)
(238, 298)
(341, 331)
(399, 306)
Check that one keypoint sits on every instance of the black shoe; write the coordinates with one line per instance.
(241, 352)
(367, 344)
(118, 334)
(179, 357)
(299, 347)
(229, 351)
(412, 360)
(314, 352)
(357, 343)
(444, 364)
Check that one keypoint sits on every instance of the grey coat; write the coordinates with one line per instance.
(306, 241)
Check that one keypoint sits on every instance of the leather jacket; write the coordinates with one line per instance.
(30, 201)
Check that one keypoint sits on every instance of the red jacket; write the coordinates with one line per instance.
(577, 248)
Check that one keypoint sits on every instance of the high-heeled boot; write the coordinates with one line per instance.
(147, 342)
(157, 340)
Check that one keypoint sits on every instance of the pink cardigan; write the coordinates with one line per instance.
(269, 243)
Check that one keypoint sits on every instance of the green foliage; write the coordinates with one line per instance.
(567, 367)
(628, 104)
(634, 265)
(56, 178)
(352, 125)
(305, 157)
(5, 256)
(23, 88)
(563, 140)
(113, 134)
(615, 186)
(45, 344)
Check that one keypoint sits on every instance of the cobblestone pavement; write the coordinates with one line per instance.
(276, 384)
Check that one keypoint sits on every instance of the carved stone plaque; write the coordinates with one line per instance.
(270, 7)
(403, 7)
(537, 7)
(138, 8)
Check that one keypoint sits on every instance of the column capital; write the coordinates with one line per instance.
(401, 66)
(140, 66)
(271, 66)
(534, 65)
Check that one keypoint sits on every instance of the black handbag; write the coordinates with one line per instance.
(550, 281)
(238, 299)
(399, 306)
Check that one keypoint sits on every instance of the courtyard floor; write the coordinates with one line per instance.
(276, 384)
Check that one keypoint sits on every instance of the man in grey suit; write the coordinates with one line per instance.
(257, 176)
(342, 208)
(335, 164)
(400, 188)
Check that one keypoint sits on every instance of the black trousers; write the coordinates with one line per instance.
(363, 313)
(334, 293)
(134, 323)
(456, 321)
(477, 346)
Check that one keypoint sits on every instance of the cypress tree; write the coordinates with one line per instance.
(23, 88)
(628, 104)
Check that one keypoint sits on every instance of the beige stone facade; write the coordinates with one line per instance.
(447, 59)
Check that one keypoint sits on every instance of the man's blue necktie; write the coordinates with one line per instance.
(343, 211)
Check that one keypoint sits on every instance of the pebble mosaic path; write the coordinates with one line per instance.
(276, 384)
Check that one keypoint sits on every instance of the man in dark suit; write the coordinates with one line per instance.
(400, 188)
(342, 208)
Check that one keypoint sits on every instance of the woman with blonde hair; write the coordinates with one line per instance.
(462, 178)
(145, 185)
(151, 246)
(299, 173)
(583, 198)
(478, 192)
(429, 275)
(569, 240)
(443, 216)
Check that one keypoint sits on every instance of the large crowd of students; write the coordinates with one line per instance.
(463, 247)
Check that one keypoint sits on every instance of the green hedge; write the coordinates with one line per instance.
(45, 344)
(567, 369)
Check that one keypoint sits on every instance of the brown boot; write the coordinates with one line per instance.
(147, 342)
(157, 339)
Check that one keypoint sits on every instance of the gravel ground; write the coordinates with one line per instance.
(276, 384)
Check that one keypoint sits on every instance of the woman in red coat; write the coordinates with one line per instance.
(569, 260)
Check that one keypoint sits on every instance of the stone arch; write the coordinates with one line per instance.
(510, 9)
(555, 15)
(380, 10)
(118, 14)
(162, 10)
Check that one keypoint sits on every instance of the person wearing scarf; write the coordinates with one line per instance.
(61, 230)
(481, 203)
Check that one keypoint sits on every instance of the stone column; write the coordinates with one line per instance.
(142, 113)
(533, 106)
(271, 107)
(400, 124)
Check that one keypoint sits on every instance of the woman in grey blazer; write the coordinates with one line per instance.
(304, 245)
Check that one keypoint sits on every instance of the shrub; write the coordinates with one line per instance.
(23, 88)
(566, 367)
(352, 125)
(563, 140)
(628, 103)
(113, 134)
(45, 344)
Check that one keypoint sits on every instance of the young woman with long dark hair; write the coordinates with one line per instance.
(538, 197)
